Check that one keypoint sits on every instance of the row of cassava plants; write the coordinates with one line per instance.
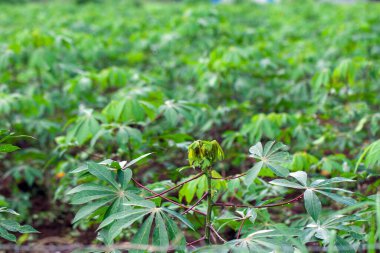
(119, 201)
(249, 77)
(9, 226)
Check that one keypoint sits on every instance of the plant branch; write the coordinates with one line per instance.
(209, 207)
(199, 240)
(174, 187)
(165, 198)
(229, 177)
(240, 228)
(217, 234)
(262, 206)
(196, 203)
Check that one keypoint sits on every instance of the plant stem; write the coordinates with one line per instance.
(240, 228)
(217, 234)
(262, 206)
(199, 240)
(229, 177)
(174, 187)
(196, 203)
(165, 198)
(209, 207)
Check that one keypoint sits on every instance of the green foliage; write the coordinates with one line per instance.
(157, 76)
(204, 153)
(272, 156)
(323, 186)
(8, 226)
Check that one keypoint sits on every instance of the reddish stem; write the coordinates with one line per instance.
(262, 206)
(240, 228)
(196, 203)
(165, 198)
(191, 243)
(217, 234)
(174, 187)
(229, 178)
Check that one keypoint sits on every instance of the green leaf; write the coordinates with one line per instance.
(300, 176)
(333, 180)
(116, 228)
(86, 196)
(273, 156)
(136, 160)
(126, 110)
(370, 155)
(6, 235)
(343, 246)
(7, 210)
(252, 173)
(344, 200)
(103, 173)
(90, 187)
(189, 189)
(180, 217)
(90, 208)
(124, 177)
(142, 236)
(175, 235)
(85, 127)
(10, 225)
(286, 183)
(7, 148)
(141, 203)
(160, 234)
(124, 214)
(312, 204)
(27, 229)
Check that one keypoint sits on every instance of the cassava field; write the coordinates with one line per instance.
(189, 126)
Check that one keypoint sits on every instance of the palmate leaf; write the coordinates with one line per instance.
(96, 196)
(259, 241)
(125, 110)
(324, 228)
(135, 211)
(273, 156)
(7, 226)
(84, 128)
(312, 202)
(165, 230)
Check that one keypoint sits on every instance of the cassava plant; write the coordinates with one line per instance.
(113, 197)
(8, 226)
